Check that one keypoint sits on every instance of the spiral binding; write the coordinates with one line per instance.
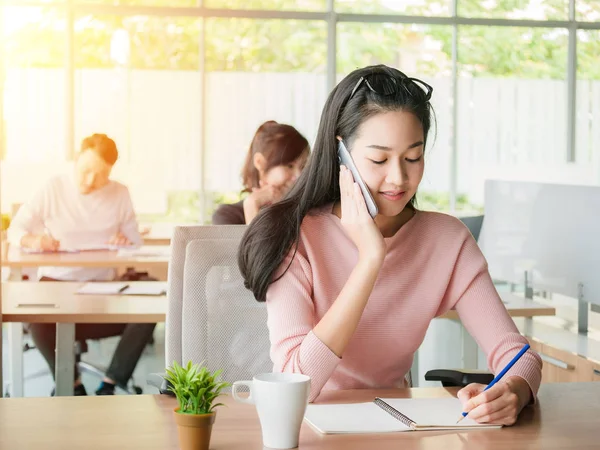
(395, 413)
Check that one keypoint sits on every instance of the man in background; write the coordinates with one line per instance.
(84, 208)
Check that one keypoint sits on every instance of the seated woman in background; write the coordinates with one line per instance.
(276, 157)
(84, 208)
(349, 298)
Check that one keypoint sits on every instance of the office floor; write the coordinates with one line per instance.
(99, 354)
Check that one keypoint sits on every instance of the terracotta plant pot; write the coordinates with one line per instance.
(194, 430)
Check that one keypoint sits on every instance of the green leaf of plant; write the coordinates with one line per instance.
(195, 387)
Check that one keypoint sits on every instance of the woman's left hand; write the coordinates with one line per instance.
(501, 404)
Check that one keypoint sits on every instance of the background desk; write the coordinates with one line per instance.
(57, 302)
(516, 306)
(156, 239)
(157, 259)
(159, 233)
(566, 416)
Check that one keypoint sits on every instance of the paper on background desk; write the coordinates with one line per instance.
(82, 248)
(429, 414)
(148, 252)
(149, 288)
(123, 288)
(102, 288)
(97, 247)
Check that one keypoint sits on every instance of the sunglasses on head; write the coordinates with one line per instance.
(384, 84)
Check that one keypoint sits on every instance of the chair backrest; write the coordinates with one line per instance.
(223, 326)
(474, 224)
(182, 236)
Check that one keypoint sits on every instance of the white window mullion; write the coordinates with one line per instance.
(454, 139)
(331, 45)
(572, 85)
(203, 140)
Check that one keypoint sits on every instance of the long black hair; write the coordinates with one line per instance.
(359, 96)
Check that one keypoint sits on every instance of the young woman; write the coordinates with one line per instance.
(276, 157)
(78, 209)
(349, 297)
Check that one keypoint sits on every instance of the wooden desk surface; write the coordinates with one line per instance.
(103, 258)
(58, 302)
(54, 302)
(156, 240)
(566, 417)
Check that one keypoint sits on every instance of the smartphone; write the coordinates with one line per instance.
(345, 159)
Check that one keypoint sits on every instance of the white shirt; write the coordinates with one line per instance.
(76, 220)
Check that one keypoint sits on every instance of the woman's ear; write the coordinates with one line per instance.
(260, 162)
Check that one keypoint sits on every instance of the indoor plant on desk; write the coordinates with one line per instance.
(196, 389)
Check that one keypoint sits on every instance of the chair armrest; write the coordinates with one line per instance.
(458, 377)
(157, 380)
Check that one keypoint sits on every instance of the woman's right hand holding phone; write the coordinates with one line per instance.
(357, 221)
(337, 326)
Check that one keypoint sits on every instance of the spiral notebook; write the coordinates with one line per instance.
(390, 415)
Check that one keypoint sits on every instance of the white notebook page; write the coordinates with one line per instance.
(438, 413)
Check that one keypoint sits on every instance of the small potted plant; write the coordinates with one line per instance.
(196, 389)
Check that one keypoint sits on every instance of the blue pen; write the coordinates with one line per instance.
(501, 374)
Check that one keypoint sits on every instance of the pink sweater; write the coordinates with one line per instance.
(432, 265)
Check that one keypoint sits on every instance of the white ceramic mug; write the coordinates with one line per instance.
(280, 400)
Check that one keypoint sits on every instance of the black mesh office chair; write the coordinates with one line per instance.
(100, 372)
(85, 367)
(474, 224)
(458, 377)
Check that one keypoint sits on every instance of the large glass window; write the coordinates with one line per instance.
(515, 9)
(289, 5)
(408, 7)
(34, 3)
(137, 79)
(182, 94)
(588, 99)
(588, 10)
(422, 52)
(512, 106)
(34, 91)
(34, 109)
(258, 70)
(174, 3)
